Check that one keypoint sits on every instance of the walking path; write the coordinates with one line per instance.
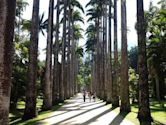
(77, 112)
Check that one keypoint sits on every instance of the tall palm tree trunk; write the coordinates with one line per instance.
(101, 55)
(75, 73)
(56, 65)
(72, 58)
(68, 64)
(75, 64)
(144, 110)
(72, 66)
(30, 106)
(7, 14)
(98, 59)
(109, 92)
(115, 96)
(94, 86)
(125, 104)
(47, 100)
(62, 85)
(69, 52)
(105, 49)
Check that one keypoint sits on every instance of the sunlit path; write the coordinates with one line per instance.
(77, 112)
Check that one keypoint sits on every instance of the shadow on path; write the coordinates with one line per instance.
(98, 116)
(79, 114)
(68, 110)
(118, 119)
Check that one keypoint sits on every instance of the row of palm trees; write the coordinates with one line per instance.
(59, 83)
(105, 74)
(108, 75)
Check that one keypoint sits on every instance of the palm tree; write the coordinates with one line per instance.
(125, 104)
(68, 92)
(30, 106)
(90, 47)
(77, 30)
(75, 16)
(56, 66)
(115, 97)
(144, 110)
(109, 70)
(71, 16)
(77, 34)
(7, 14)
(47, 100)
(105, 53)
(63, 84)
(95, 13)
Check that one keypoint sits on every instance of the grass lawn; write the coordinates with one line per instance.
(158, 113)
(15, 116)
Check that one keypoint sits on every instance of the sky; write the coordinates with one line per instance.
(131, 20)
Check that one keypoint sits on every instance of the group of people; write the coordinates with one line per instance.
(90, 95)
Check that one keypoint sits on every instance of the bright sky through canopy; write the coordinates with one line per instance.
(131, 19)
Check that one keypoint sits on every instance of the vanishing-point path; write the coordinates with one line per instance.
(77, 112)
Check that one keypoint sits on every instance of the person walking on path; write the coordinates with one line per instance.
(84, 95)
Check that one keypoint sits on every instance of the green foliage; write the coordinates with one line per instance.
(80, 80)
(43, 24)
(76, 16)
(79, 51)
(19, 71)
(95, 11)
(84, 75)
(20, 58)
(156, 29)
(91, 37)
(133, 85)
(133, 58)
(75, 3)
(21, 6)
(77, 32)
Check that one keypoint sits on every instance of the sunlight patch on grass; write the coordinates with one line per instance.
(21, 104)
(41, 116)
